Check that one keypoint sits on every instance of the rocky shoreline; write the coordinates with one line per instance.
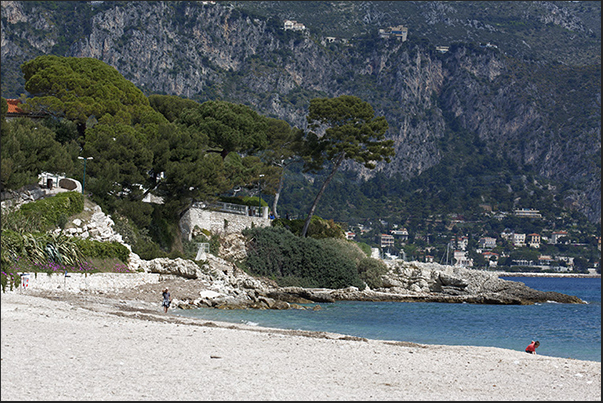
(217, 282)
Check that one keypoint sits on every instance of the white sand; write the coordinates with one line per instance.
(95, 350)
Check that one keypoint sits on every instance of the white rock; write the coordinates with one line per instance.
(210, 294)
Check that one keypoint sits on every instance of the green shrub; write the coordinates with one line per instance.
(138, 239)
(15, 220)
(243, 200)
(10, 243)
(276, 253)
(366, 248)
(371, 270)
(318, 228)
(53, 211)
(103, 250)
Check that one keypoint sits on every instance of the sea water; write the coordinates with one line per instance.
(564, 330)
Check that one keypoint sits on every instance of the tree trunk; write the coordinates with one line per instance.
(320, 192)
(281, 183)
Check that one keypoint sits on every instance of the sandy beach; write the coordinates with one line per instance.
(63, 346)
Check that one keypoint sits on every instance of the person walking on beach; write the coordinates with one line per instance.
(531, 349)
(166, 300)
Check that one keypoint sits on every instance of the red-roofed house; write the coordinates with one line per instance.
(491, 257)
(14, 111)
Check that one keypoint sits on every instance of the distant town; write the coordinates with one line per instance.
(549, 251)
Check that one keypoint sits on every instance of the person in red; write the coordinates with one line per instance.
(531, 349)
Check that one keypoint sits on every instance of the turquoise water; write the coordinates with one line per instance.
(564, 330)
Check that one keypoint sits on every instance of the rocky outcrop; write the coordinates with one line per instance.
(230, 288)
(432, 282)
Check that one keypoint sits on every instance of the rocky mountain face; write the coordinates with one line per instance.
(541, 115)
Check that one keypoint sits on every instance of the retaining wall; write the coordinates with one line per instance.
(74, 282)
(218, 222)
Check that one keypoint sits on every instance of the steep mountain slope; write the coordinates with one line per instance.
(536, 111)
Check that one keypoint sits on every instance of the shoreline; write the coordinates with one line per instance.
(553, 275)
(64, 346)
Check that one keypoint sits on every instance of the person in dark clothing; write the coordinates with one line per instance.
(166, 300)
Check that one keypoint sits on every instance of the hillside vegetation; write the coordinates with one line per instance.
(508, 118)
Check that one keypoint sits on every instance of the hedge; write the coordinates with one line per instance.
(103, 250)
(278, 254)
(54, 210)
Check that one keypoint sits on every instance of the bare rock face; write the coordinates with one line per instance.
(178, 267)
(232, 247)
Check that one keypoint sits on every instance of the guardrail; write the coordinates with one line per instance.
(235, 209)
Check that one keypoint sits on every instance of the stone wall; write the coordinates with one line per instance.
(75, 282)
(218, 222)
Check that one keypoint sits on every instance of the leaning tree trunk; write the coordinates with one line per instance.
(281, 183)
(340, 159)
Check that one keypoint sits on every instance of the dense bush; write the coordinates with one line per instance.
(244, 200)
(371, 271)
(102, 250)
(318, 228)
(53, 211)
(306, 262)
(137, 238)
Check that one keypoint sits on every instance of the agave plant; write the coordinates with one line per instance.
(64, 249)
(33, 246)
(10, 248)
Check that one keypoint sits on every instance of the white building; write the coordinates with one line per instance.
(294, 25)
(557, 236)
(461, 259)
(519, 239)
(487, 242)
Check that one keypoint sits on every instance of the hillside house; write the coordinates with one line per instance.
(528, 213)
(534, 240)
(350, 235)
(401, 234)
(462, 242)
(559, 237)
(461, 259)
(507, 234)
(14, 111)
(518, 239)
(487, 242)
(399, 32)
(491, 258)
(386, 240)
(222, 218)
(567, 259)
(444, 49)
(294, 26)
(545, 261)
